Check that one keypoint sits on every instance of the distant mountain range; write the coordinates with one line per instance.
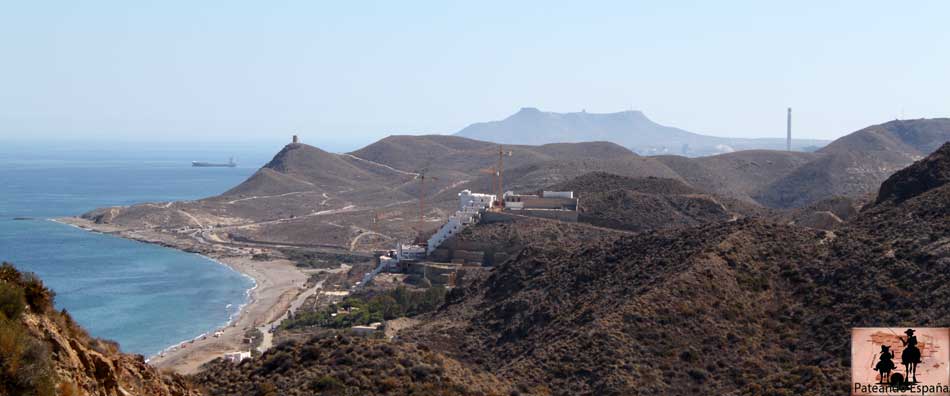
(631, 129)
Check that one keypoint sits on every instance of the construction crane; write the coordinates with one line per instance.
(375, 226)
(421, 176)
(498, 183)
(501, 172)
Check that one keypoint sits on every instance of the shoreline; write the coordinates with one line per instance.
(276, 284)
(232, 317)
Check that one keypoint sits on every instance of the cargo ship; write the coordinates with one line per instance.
(229, 164)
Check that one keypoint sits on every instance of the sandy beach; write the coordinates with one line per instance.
(278, 283)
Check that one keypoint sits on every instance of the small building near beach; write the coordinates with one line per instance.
(366, 330)
(237, 357)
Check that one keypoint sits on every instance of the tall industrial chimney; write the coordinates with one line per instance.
(788, 141)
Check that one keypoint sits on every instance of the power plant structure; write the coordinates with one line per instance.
(788, 139)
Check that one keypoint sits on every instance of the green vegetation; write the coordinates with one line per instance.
(331, 364)
(315, 259)
(12, 301)
(363, 309)
(25, 366)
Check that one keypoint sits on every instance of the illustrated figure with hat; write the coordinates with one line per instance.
(886, 364)
(911, 355)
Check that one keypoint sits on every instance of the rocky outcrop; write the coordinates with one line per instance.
(922, 176)
(102, 216)
(649, 203)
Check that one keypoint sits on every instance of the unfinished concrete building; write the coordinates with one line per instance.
(560, 205)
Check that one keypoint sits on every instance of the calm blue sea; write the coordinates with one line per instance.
(144, 296)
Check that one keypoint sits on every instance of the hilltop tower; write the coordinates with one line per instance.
(788, 130)
(295, 140)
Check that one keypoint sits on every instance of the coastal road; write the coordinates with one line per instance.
(267, 340)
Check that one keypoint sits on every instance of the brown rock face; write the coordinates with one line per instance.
(922, 176)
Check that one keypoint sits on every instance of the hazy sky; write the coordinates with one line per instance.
(348, 72)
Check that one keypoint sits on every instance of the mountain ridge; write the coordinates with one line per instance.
(629, 128)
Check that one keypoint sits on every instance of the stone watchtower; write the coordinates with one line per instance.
(295, 140)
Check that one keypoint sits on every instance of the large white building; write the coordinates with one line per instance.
(476, 200)
(470, 207)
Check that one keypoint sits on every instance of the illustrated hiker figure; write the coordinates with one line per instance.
(886, 364)
(911, 355)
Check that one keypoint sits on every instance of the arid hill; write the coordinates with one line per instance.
(365, 199)
(738, 175)
(826, 214)
(856, 164)
(369, 198)
(604, 181)
(928, 174)
(440, 153)
(746, 307)
(347, 365)
(640, 204)
(44, 352)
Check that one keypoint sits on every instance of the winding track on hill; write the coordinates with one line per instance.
(380, 165)
(232, 202)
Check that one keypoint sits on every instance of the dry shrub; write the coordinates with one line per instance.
(66, 322)
(38, 296)
(67, 388)
(8, 273)
(105, 347)
(25, 367)
(12, 300)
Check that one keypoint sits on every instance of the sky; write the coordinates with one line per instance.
(343, 74)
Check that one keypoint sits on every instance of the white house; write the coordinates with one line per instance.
(237, 357)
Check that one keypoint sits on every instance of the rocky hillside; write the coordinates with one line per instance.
(738, 175)
(44, 352)
(826, 214)
(603, 181)
(928, 174)
(746, 307)
(344, 365)
(856, 164)
(640, 204)
(441, 153)
(910, 139)
(299, 167)
(630, 129)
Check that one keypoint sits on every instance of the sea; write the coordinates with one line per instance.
(145, 297)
